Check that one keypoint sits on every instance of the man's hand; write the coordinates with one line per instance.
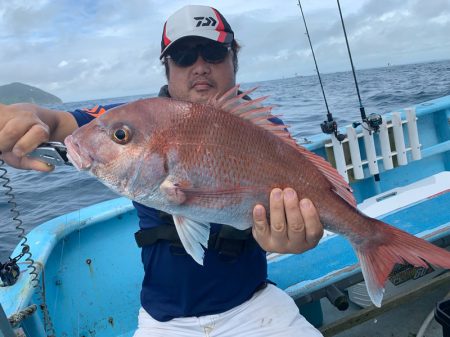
(20, 133)
(23, 127)
(294, 226)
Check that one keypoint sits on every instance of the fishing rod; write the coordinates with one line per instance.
(329, 126)
(373, 120)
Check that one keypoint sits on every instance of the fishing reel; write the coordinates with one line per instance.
(373, 121)
(9, 273)
(330, 127)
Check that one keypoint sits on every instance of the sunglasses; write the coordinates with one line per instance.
(210, 52)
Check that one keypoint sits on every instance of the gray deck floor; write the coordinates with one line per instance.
(403, 321)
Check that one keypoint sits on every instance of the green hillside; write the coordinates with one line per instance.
(22, 93)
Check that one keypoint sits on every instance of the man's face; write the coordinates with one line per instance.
(201, 80)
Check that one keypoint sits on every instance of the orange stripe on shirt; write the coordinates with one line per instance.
(95, 111)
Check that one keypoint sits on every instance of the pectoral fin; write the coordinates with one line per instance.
(182, 191)
(194, 236)
(173, 191)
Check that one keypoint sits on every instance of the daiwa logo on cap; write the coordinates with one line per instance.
(195, 21)
(208, 21)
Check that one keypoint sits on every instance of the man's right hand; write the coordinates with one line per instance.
(22, 129)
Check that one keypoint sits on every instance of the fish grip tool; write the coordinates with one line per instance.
(52, 153)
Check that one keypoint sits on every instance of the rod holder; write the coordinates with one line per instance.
(337, 297)
(399, 139)
(413, 134)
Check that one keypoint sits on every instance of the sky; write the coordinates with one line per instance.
(86, 49)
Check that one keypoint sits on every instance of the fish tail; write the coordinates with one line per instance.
(391, 246)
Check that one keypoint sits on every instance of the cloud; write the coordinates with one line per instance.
(379, 32)
(86, 52)
(96, 49)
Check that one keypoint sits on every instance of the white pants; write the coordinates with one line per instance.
(269, 313)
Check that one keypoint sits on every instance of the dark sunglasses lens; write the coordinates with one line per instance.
(184, 57)
(214, 53)
(187, 56)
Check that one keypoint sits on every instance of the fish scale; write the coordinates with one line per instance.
(253, 155)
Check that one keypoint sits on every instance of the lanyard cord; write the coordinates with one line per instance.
(10, 271)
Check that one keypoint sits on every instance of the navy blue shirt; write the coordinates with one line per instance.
(174, 284)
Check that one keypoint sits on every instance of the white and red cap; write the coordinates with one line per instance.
(195, 20)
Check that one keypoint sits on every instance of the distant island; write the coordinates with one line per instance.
(22, 93)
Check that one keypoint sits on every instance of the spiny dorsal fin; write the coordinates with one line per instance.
(256, 113)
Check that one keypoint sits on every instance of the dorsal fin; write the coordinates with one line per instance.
(253, 111)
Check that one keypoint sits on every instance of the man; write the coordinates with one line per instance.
(230, 294)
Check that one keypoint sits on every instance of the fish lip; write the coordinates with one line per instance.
(75, 155)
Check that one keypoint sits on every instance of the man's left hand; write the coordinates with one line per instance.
(294, 226)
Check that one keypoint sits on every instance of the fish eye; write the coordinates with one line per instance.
(121, 135)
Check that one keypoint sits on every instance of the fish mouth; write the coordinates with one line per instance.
(80, 160)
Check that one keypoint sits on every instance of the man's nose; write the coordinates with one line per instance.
(201, 67)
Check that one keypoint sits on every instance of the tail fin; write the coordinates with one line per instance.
(378, 256)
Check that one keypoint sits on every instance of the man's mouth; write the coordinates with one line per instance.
(202, 85)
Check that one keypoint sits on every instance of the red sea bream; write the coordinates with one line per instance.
(212, 163)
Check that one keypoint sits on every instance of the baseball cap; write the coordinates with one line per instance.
(195, 20)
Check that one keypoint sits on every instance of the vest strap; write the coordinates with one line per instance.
(229, 241)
